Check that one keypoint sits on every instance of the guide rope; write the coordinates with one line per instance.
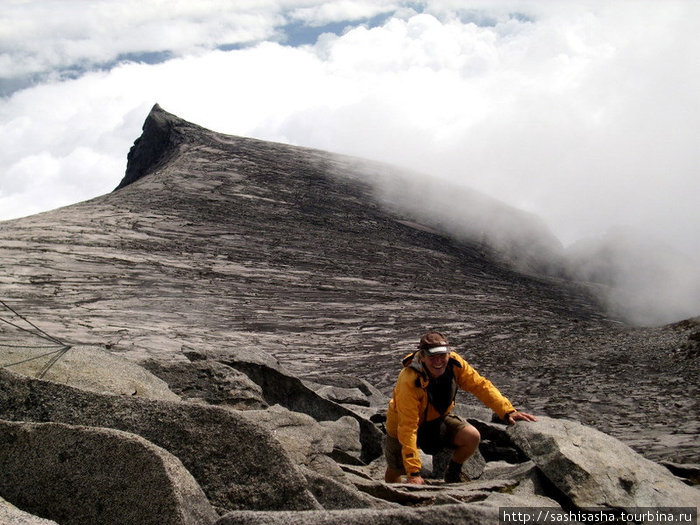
(37, 332)
(43, 335)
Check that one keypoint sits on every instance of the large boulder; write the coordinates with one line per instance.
(208, 381)
(345, 389)
(593, 469)
(345, 433)
(88, 368)
(78, 475)
(283, 388)
(532, 486)
(306, 441)
(238, 464)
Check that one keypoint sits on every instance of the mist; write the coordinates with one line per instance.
(637, 278)
(531, 124)
(643, 280)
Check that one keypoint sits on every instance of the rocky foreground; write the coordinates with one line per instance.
(236, 438)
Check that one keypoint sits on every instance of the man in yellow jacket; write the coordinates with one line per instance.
(419, 410)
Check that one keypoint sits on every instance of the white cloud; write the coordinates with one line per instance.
(40, 36)
(65, 142)
(321, 13)
(42, 181)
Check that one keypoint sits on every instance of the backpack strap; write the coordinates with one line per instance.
(406, 361)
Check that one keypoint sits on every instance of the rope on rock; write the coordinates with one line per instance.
(5, 345)
(41, 334)
(52, 361)
(55, 354)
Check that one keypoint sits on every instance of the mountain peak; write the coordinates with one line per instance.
(155, 146)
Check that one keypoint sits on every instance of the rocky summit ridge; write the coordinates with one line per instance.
(234, 314)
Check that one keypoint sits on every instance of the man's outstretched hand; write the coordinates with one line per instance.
(415, 480)
(519, 416)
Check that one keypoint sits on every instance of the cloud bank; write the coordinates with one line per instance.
(585, 114)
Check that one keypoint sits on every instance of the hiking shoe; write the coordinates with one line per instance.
(455, 477)
(453, 473)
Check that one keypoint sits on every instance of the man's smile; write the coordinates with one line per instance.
(436, 364)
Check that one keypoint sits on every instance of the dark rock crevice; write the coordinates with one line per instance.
(162, 134)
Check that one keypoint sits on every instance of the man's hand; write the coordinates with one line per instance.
(415, 480)
(519, 416)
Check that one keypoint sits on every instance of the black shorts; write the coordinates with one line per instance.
(443, 438)
(435, 435)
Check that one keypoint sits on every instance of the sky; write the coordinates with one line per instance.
(585, 113)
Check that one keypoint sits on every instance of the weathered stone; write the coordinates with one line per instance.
(531, 483)
(371, 472)
(593, 469)
(210, 382)
(302, 437)
(503, 469)
(345, 433)
(456, 514)
(88, 368)
(520, 482)
(11, 515)
(344, 396)
(238, 464)
(78, 475)
(326, 466)
(333, 494)
(346, 389)
(518, 498)
(434, 493)
(283, 388)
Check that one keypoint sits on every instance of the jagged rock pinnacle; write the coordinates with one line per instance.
(154, 147)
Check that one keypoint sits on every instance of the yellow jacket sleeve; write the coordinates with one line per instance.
(408, 402)
(470, 380)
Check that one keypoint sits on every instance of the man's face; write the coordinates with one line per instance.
(436, 364)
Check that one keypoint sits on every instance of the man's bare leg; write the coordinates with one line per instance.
(466, 442)
(392, 476)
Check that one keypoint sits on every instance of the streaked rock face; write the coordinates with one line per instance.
(219, 243)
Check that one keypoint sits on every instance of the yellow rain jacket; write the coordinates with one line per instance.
(407, 408)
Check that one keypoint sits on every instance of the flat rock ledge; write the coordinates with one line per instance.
(237, 439)
(89, 368)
